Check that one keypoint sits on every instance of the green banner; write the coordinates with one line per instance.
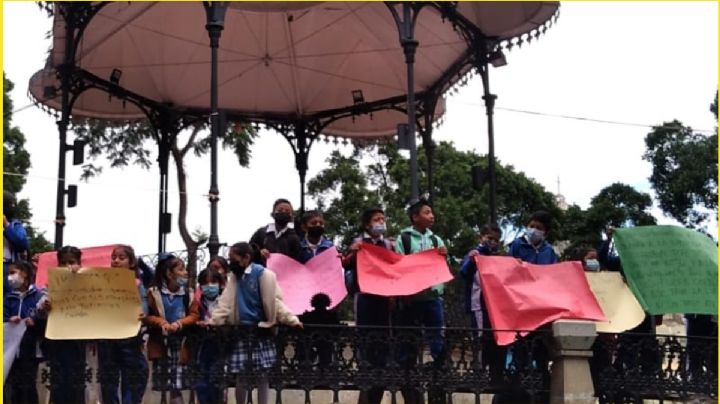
(670, 269)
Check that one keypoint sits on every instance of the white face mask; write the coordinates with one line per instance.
(14, 281)
(534, 236)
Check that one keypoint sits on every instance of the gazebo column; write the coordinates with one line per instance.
(302, 151)
(483, 67)
(428, 144)
(215, 13)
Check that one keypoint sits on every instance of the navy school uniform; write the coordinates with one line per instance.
(21, 381)
(211, 384)
(123, 359)
(307, 252)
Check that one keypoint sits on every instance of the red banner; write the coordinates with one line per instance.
(91, 257)
(386, 273)
(526, 296)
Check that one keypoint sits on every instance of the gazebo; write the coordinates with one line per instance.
(305, 69)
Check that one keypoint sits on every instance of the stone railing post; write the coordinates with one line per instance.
(571, 381)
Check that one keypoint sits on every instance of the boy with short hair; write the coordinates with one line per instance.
(532, 247)
(314, 242)
(277, 237)
(426, 307)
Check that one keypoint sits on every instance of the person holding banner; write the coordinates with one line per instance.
(67, 357)
(252, 298)
(170, 312)
(123, 358)
(475, 305)
(20, 305)
(277, 237)
(313, 225)
(426, 307)
(370, 310)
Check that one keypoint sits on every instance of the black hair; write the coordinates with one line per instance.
(542, 217)
(368, 214)
(580, 252)
(71, 251)
(279, 201)
(130, 252)
(9, 204)
(222, 261)
(310, 214)
(490, 228)
(166, 263)
(242, 248)
(415, 208)
(27, 268)
(215, 276)
(320, 301)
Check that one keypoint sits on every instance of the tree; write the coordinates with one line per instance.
(16, 163)
(125, 143)
(684, 174)
(347, 187)
(617, 205)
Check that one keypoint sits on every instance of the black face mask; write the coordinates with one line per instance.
(281, 219)
(315, 232)
(236, 268)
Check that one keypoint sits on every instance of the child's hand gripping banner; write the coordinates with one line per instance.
(91, 257)
(670, 269)
(526, 296)
(386, 273)
(299, 283)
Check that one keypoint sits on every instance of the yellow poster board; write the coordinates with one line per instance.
(620, 306)
(94, 303)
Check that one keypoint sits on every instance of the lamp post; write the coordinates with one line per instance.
(215, 13)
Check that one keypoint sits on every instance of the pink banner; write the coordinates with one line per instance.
(387, 273)
(299, 283)
(526, 296)
(91, 257)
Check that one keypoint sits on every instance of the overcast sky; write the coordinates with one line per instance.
(637, 63)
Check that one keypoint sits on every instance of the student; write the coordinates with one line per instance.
(588, 256)
(426, 307)
(67, 357)
(532, 247)
(209, 386)
(320, 350)
(123, 359)
(21, 306)
(370, 310)
(170, 312)
(277, 237)
(313, 225)
(253, 299)
(219, 264)
(15, 241)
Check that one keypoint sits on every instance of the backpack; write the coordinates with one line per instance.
(405, 239)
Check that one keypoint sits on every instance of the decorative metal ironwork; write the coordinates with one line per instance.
(628, 368)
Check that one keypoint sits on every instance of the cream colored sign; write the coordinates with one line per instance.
(95, 303)
(620, 306)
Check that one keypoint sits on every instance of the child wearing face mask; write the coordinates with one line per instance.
(209, 387)
(489, 238)
(252, 299)
(123, 359)
(532, 247)
(170, 312)
(20, 305)
(314, 242)
(67, 357)
(277, 237)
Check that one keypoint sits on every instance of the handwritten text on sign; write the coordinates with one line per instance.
(95, 303)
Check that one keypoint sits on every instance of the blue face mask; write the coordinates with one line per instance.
(592, 265)
(181, 281)
(211, 291)
(379, 228)
(534, 236)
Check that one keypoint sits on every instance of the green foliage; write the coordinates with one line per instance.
(685, 167)
(378, 176)
(617, 205)
(16, 162)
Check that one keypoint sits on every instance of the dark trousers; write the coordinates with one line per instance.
(426, 313)
(21, 387)
(701, 353)
(67, 371)
(373, 310)
(122, 364)
(210, 384)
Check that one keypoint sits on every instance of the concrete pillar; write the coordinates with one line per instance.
(571, 381)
